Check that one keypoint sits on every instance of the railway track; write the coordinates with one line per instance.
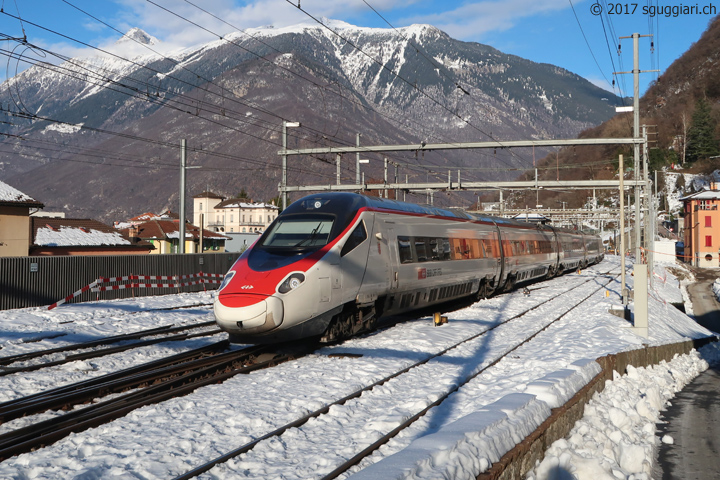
(28, 362)
(144, 385)
(441, 397)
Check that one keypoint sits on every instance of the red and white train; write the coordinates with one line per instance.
(332, 264)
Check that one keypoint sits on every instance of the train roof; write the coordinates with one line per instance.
(394, 205)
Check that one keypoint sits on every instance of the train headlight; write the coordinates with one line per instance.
(291, 283)
(226, 280)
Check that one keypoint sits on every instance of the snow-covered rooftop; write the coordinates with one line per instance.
(10, 194)
(703, 195)
(67, 236)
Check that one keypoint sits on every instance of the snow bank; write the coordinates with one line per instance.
(716, 288)
(471, 444)
(616, 437)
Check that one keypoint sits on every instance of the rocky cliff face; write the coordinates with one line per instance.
(101, 135)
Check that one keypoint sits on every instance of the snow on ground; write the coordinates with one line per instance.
(458, 439)
(616, 437)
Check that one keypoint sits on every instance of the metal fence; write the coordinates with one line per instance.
(38, 281)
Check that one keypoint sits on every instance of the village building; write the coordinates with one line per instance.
(72, 236)
(146, 217)
(164, 236)
(702, 228)
(15, 229)
(234, 215)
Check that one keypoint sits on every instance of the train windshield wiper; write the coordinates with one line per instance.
(313, 235)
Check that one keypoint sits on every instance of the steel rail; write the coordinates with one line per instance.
(7, 370)
(296, 423)
(405, 424)
(68, 395)
(49, 431)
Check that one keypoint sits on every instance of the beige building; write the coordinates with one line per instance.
(15, 230)
(235, 215)
(164, 236)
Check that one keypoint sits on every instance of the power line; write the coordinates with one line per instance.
(135, 90)
(396, 75)
(586, 42)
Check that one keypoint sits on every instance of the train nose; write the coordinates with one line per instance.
(247, 314)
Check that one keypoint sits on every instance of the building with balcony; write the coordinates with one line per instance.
(702, 228)
(234, 215)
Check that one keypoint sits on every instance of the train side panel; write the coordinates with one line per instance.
(530, 252)
(438, 261)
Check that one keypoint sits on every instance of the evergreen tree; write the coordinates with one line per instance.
(242, 194)
(701, 141)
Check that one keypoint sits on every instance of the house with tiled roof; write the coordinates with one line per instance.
(15, 210)
(146, 217)
(164, 236)
(701, 219)
(75, 236)
(233, 215)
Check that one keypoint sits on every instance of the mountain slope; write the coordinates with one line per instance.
(666, 108)
(228, 99)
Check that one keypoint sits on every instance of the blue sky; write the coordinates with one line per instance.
(548, 31)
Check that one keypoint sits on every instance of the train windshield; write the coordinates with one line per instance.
(302, 231)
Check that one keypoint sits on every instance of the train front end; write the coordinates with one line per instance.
(270, 293)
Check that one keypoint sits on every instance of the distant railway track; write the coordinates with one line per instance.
(87, 350)
(158, 381)
(144, 385)
(405, 424)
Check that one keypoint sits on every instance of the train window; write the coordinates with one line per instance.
(305, 231)
(357, 237)
(475, 249)
(434, 249)
(460, 248)
(445, 250)
(489, 252)
(404, 250)
(421, 249)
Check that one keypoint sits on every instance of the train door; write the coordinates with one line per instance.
(393, 256)
(353, 260)
(379, 267)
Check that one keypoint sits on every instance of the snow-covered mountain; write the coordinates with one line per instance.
(228, 99)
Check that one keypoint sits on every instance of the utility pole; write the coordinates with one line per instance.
(357, 161)
(636, 147)
(623, 288)
(285, 126)
(337, 167)
(640, 269)
(636, 134)
(183, 165)
(649, 205)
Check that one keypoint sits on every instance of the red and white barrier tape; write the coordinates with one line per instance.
(203, 279)
(73, 295)
(155, 285)
(115, 279)
(113, 287)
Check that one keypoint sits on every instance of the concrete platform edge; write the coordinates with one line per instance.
(515, 464)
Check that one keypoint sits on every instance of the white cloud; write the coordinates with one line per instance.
(600, 82)
(472, 20)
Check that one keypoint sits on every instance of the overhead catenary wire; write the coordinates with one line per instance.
(194, 23)
(254, 37)
(328, 162)
(396, 75)
(226, 39)
(139, 65)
